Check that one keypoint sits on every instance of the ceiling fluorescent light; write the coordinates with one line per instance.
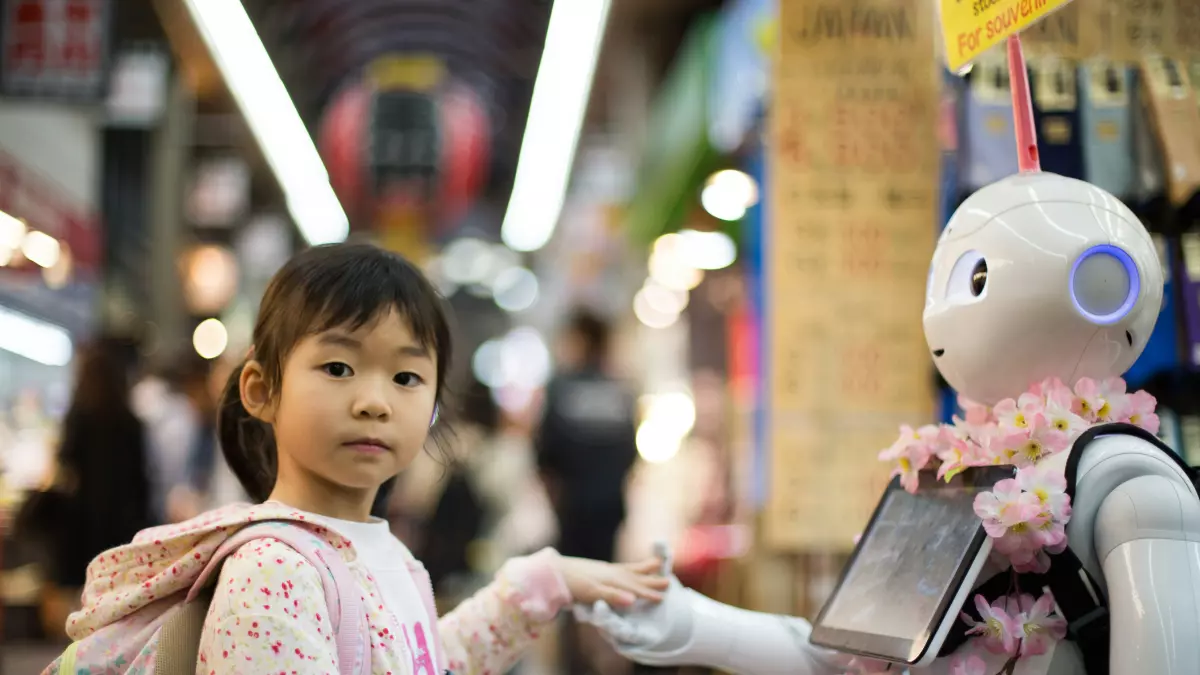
(556, 112)
(268, 109)
(34, 339)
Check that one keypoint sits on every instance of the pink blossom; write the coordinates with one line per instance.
(1052, 389)
(1041, 440)
(1040, 625)
(1030, 562)
(1059, 415)
(997, 629)
(1017, 414)
(1050, 487)
(956, 455)
(1088, 400)
(1139, 410)
(911, 452)
(1007, 510)
(976, 413)
(1022, 540)
(1000, 446)
(863, 666)
(971, 665)
(1100, 402)
(1112, 387)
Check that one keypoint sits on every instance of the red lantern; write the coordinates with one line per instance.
(420, 149)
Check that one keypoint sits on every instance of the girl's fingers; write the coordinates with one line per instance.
(648, 566)
(617, 597)
(642, 587)
(655, 581)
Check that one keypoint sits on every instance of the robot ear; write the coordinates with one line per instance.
(1105, 284)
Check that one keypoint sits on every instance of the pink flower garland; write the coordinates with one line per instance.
(1025, 516)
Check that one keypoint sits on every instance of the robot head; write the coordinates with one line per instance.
(1039, 276)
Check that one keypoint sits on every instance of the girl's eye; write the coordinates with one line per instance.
(337, 369)
(408, 379)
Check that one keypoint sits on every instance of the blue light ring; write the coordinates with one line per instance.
(1135, 284)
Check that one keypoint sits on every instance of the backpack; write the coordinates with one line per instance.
(173, 638)
(1076, 592)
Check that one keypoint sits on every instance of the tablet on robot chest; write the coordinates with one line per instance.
(911, 572)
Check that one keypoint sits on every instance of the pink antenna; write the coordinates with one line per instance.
(1018, 76)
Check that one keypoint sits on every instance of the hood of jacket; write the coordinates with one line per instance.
(164, 562)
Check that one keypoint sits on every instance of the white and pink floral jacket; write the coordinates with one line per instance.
(275, 620)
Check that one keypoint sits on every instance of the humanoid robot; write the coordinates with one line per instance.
(1035, 276)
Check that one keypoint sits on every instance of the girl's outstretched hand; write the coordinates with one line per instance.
(620, 585)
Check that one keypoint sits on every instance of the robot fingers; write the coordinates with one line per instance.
(615, 627)
(662, 551)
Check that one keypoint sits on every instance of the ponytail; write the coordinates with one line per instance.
(247, 442)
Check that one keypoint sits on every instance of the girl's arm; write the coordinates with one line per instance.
(491, 630)
(268, 615)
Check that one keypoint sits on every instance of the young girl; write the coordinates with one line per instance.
(338, 395)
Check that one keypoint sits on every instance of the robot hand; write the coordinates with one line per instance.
(687, 628)
(648, 633)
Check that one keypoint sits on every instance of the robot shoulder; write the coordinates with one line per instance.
(1108, 455)
(1114, 467)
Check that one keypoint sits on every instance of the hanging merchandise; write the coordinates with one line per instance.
(1149, 181)
(1105, 126)
(987, 123)
(1056, 114)
(1175, 117)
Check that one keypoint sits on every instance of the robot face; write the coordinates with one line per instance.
(1039, 276)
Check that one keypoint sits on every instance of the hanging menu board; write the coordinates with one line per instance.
(853, 186)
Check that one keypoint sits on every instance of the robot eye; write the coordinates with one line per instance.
(1104, 284)
(968, 278)
(979, 277)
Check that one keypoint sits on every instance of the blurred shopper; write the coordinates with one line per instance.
(586, 442)
(585, 448)
(179, 411)
(492, 506)
(101, 477)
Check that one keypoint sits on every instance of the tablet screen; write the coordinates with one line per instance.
(907, 569)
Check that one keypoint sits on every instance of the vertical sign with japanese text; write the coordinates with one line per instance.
(852, 190)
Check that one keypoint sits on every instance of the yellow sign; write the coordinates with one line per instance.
(395, 71)
(971, 27)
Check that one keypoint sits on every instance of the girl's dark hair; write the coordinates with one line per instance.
(321, 288)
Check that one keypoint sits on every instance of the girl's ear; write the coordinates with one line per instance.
(256, 393)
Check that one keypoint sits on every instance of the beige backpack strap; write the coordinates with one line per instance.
(179, 640)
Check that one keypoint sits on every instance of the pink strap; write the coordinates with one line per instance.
(1027, 150)
(349, 620)
(420, 577)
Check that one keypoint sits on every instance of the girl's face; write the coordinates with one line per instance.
(354, 407)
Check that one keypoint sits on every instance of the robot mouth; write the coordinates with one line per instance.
(938, 352)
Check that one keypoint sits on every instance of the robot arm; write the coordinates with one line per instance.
(1147, 537)
(688, 628)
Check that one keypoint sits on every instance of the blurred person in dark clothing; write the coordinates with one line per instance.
(586, 442)
(101, 474)
(586, 445)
